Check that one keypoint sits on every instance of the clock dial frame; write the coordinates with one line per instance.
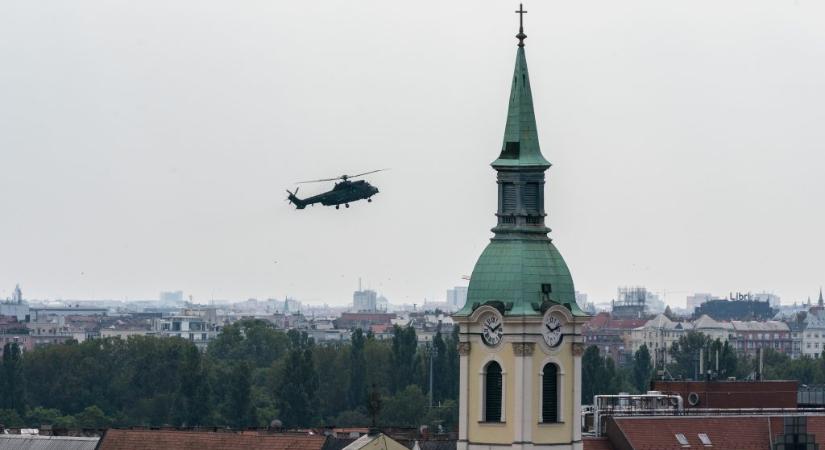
(551, 330)
(492, 329)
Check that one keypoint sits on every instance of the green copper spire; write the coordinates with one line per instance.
(521, 271)
(521, 140)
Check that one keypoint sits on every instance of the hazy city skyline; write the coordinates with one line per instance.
(147, 146)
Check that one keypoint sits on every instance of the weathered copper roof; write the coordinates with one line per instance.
(521, 140)
(512, 272)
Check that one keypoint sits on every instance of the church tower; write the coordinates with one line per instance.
(520, 329)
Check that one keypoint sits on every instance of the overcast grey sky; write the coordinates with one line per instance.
(146, 145)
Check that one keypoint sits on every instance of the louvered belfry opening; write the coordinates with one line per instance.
(530, 198)
(492, 393)
(550, 394)
(509, 202)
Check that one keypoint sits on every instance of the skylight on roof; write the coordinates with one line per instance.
(682, 440)
(705, 440)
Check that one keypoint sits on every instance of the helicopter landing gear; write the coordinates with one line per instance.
(346, 204)
(337, 206)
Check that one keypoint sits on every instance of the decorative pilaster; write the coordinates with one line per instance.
(578, 351)
(523, 390)
(463, 393)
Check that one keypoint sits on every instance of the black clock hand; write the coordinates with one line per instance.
(496, 328)
(554, 329)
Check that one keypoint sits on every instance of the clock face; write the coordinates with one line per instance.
(491, 329)
(551, 330)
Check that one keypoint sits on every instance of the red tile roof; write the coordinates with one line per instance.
(589, 443)
(733, 394)
(724, 432)
(115, 439)
(626, 324)
(598, 320)
(603, 320)
(380, 328)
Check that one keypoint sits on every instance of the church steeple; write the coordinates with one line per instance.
(520, 348)
(520, 165)
(821, 300)
(521, 268)
(521, 141)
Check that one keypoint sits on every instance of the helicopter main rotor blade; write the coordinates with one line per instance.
(367, 173)
(318, 181)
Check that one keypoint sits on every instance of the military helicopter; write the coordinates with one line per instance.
(342, 193)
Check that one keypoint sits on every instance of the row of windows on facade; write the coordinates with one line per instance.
(192, 336)
(752, 336)
(752, 344)
(176, 326)
(494, 392)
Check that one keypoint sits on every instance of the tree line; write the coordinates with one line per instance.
(601, 375)
(250, 375)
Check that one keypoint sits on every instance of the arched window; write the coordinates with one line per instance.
(492, 393)
(550, 393)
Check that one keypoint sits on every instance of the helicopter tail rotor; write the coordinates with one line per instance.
(293, 198)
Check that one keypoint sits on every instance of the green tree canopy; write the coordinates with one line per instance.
(404, 357)
(12, 385)
(253, 341)
(357, 370)
(406, 408)
(642, 369)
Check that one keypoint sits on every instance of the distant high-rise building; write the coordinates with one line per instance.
(292, 305)
(630, 303)
(14, 306)
(740, 307)
(17, 295)
(171, 297)
(773, 299)
(694, 301)
(365, 300)
(457, 296)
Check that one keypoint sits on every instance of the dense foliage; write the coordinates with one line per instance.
(601, 376)
(250, 375)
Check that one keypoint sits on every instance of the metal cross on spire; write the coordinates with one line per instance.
(521, 36)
